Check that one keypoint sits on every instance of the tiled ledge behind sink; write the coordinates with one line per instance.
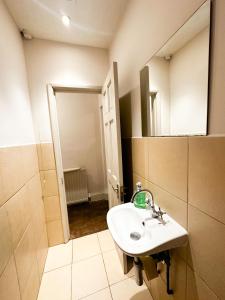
(50, 193)
(187, 178)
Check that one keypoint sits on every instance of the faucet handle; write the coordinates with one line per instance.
(160, 212)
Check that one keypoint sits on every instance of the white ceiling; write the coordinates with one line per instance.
(93, 22)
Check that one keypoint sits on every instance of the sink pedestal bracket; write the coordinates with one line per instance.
(138, 267)
(165, 256)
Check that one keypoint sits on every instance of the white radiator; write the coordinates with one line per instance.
(76, 185)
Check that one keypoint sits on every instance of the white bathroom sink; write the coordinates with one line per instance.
(137, 233)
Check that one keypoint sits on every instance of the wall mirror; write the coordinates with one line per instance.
(174, 82)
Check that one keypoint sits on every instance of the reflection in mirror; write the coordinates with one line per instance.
(174, 83)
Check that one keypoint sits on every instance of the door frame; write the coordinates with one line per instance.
(53, 117)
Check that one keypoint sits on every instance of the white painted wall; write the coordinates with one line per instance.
(159, 82)
(15, 112)
(146, 26)
(60, 64)
(189, 86)
(80, 136)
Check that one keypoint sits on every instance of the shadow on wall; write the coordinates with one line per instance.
(126, 134)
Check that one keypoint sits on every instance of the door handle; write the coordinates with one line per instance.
(115, 189)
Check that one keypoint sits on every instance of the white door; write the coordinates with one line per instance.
(58, 158)
(111, 123)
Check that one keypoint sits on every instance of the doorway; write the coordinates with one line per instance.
(109, 144)
(82, 150)
(76, 121)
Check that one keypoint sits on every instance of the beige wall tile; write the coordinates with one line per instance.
(11, 176)
(32, 286)
(138, 178)
(207, 175)
(5, 239)
(49, 183)
(178, 274)
(48, 157)
(167, 164)
(19, 211)
(140, 156)
(25, 257)
(39, 156)
(207, 244)
(9, 288)
(22, 223)
(175, 207)
(197, 289)
(55, 233)
(158, 290)
(52, 208)
(30, 161)
(42, 251)
(37, 207)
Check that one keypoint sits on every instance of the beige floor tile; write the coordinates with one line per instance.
(101, 295)
(59, 256)
(129, 290)
(56, 285)
(88, 277)
(113, 267)
(106, 241)
(86, 247)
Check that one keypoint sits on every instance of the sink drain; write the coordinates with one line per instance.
(135, 236)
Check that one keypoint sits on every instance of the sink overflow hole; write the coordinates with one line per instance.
(135, 236)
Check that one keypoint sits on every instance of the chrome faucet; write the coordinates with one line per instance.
(139, 189)
(150, 201)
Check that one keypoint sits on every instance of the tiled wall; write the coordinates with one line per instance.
(50, 193)
(23, 242)
(187, 179)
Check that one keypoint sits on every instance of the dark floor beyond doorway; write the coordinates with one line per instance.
(86, 218)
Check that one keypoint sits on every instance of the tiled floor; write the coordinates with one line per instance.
(88, 268)
(87, 217)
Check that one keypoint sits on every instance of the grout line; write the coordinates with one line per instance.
(99, 244)
(57, 268)
(105, 268)
(159, 186)
(71, 283)
(205, 213)
(115, 283)
(203, 281)
(20, 188)
(93, 293)
(86, 258)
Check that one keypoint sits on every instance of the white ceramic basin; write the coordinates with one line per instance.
(125, 223)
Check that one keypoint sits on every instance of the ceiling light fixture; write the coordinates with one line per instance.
(66, 20)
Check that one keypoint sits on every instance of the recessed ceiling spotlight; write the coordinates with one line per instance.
(66, 20)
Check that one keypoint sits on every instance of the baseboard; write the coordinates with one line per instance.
(97, 197)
